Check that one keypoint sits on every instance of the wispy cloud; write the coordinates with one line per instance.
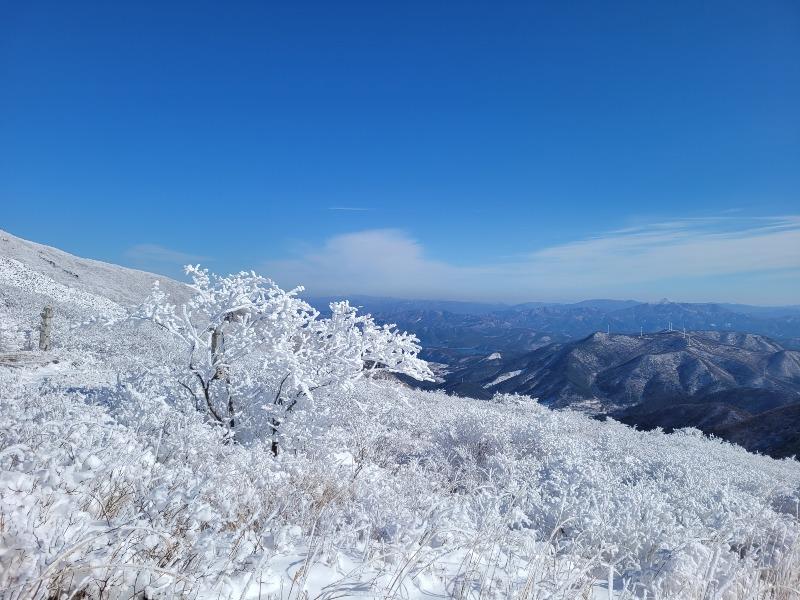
(153, 253)
(350, 208)
(716, 258)
(695, 248)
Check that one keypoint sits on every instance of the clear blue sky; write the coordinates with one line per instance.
(512, 151)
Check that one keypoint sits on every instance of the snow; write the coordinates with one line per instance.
(494, 356)
(399, 492)
(123, 286)
(501, 378)
(15, 274)
(113, 485)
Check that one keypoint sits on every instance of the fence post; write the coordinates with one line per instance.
(44, 332)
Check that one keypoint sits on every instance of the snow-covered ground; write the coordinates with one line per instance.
(501, 378)
(112, 485)
(15, 274)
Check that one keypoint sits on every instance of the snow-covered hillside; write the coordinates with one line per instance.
(113, 485)
(112, 282)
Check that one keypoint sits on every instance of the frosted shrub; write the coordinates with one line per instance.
(251, 346)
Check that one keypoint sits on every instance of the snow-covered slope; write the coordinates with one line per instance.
(15, 274)
(81, 275)
(33, 276)
(112, 485)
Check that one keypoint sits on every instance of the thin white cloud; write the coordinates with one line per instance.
(153, 253)
(678, 249)
(350, 208)
(680, 258)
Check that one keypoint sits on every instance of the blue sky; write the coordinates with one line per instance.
(477, 150)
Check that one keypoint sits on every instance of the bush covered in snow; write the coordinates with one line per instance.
(253, 352)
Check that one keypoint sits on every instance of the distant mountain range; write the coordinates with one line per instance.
(464, 328)
(584, 318)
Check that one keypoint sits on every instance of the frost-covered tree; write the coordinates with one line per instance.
(253, 348)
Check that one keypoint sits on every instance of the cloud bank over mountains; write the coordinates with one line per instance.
(730, 258)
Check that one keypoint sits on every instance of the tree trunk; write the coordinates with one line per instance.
(44, 332)
(221, 374)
